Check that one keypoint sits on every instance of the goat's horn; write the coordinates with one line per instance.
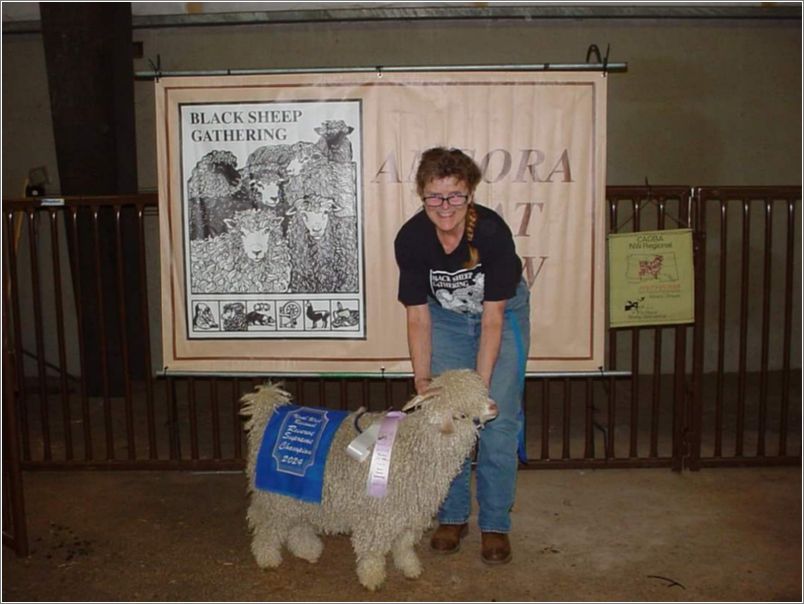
(421, 398)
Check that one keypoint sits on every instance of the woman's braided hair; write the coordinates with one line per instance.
(440, 162)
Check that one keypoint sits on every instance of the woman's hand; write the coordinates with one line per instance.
(422, 384)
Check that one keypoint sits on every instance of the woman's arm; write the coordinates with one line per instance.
(420, 345)
(491, 328)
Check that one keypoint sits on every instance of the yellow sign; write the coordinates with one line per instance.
(651, 278)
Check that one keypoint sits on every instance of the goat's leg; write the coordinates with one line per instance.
(370, 552)
(304, 543)
(268, 535)
(405, 558)
(371, 569)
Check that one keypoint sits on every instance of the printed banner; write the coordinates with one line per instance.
(281, 196)
(651, 278)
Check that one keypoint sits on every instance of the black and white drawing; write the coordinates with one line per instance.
(346, 315)
(203, 317)
(272, 216)
(461, 291)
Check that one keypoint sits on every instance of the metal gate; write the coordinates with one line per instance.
(724, 391)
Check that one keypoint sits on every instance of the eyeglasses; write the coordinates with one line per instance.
(453, 199)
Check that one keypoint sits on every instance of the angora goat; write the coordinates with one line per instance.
(431, 444)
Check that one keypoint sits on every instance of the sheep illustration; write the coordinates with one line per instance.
(323, 247)
(334, 143)
(251, 257)
(215, 191)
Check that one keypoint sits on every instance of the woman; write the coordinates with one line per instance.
(467, 307)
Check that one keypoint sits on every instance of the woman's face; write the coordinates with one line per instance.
(449, 216)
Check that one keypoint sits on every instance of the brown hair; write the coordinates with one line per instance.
(440, 162)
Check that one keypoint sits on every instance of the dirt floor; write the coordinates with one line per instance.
(605, 535)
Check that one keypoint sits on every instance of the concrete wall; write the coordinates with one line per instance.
(704, 102)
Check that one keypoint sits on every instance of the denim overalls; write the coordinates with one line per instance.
(455, 340)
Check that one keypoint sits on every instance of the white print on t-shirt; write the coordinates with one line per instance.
(461, 291)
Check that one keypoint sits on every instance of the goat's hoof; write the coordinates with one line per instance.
(371, 574)
(267, 558)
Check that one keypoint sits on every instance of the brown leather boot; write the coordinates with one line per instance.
(447, 538)
(495, 548)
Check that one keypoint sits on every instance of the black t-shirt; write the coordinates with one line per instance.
(426, 270)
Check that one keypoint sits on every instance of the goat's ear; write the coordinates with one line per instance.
(422, 398)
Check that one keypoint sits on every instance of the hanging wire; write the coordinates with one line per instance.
(649, 199)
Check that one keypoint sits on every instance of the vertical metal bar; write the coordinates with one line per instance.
(589, 436)
(192, 411)
(788, 326)
(146, 329)
(123, 328)
(681, 419)
(612, 389)
(766, 289)
(545, 453)
(656, 393)
(14, 293)
(388, 393)
(363, 394)
(565, 419)
(322, 392)
(57, 290)
(86, 421)
(11, 446)
(107, 404)
(36, 290)
(721, 330)
(743, 370)
(237, 428)
(216, 420)
(699, 261)
(657, 366)
(343, 404)
(173, 419)
(635, 333)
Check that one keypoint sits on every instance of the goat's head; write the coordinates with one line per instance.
(456, 396)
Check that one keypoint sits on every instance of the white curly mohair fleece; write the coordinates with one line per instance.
(431, 444)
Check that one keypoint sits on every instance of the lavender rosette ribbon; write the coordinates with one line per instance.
(379, 470)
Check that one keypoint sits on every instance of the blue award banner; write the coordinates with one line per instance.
(294, 449)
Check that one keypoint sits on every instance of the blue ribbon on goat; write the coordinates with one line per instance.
(293, 452)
